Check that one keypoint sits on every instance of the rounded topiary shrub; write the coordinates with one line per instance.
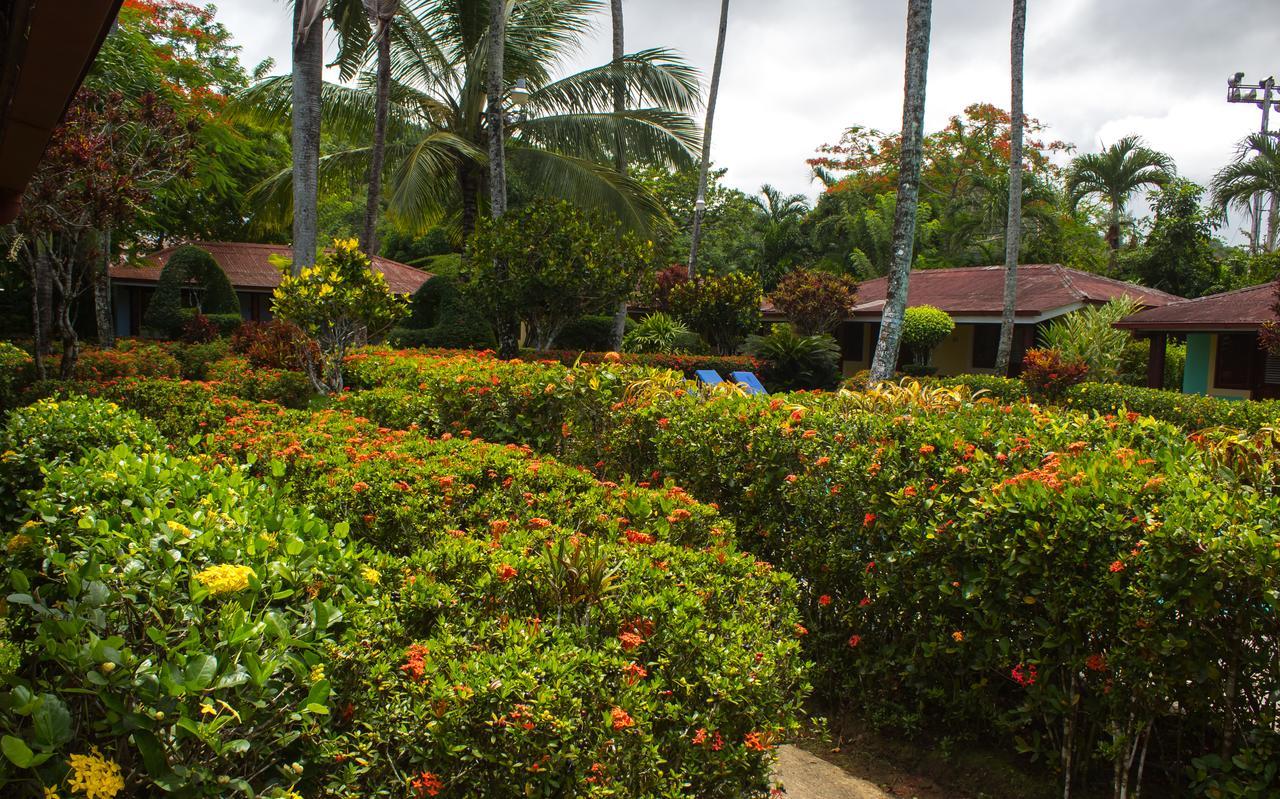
(440, 317)
(924, 327)
(166, 315)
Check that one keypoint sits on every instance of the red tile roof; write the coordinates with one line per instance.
(248, 268)
(979, 291)
(1244, 309)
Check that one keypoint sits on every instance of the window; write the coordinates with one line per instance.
(1233, 367)
(986, 343)
(853, 345)
(1272, 374)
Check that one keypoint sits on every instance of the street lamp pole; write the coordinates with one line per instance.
(1240, 92)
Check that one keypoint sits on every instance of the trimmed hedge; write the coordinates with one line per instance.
(1190, 411)
(439, 316)
(166, 314)
(1067, 580)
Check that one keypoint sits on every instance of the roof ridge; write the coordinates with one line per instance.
(1069, 282)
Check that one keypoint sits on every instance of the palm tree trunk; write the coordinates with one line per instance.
(382, 29)
(1013, 230)
(619, 147)
(919, 18)
(712, 94)
(1273, 223)
(1113, 238)
(506, 325)
(308, 77)
(102, 296)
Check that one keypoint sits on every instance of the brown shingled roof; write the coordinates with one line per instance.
(1243, 309)
(248, 268)
(979, 291)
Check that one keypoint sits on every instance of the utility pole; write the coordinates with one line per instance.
(1240, 92)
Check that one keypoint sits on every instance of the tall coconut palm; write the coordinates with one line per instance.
(778, 208)
(380, 12)
(1255, 170)
(505, 325)
(919, 25)
(307, 80)
(1013, 230)
(620, 151)
(700, 201)
(1113, 175)
(562, 144)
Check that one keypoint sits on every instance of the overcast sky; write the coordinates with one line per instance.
(799, 72)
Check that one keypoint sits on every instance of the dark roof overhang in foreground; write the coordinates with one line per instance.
(1243, 309)
(46, 49)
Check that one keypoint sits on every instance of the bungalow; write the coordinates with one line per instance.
(974, 297)
(1223, 356)
(252, 275)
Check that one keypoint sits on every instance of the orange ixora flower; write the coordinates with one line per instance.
(427, 784)
(824, 600)
(506, 572)
(415, 661)
(621, 719)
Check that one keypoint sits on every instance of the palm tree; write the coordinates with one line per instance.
(562, 144)
(919, 19)
(620, 152)
(1114, 174)
(1256, 170)
(778, 208)
(779, 217)
(1013, 230)
(700, 202)
(505, 325)
(307, 80)
(381, 12)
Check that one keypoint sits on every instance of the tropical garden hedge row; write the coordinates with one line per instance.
(1102, 590)
(238, 598)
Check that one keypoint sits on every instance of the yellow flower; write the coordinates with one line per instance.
(95, 776)
(51, 793)
(225, 578)
(18, 542)
(180, 528)
(317, 672)
(207, 709)
(370, 575)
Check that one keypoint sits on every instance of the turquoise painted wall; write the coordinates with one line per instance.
(1195, 380)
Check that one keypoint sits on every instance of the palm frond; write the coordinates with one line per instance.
(656, 77)
(589, 185)
(651, 136)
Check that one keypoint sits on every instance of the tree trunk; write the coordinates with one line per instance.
(619, 147)
(1113, 238)
(505, 325)
(919, 13)
(382, 30)
(102, 297)
(699, 207)
(41, 309)
(308, 78)
(1013, 229)
(63, 302)
(1273, 223)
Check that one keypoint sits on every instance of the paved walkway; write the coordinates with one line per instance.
(807, 776)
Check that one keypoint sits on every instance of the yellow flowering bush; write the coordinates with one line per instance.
(225, 579)
(338, 302)
(94, 776)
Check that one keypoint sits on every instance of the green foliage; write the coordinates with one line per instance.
(796, 361)
(1191, 412)
(550, 263)
(166, 314)
(1132, 370)
(661, 333)
(337, 302)
(815, 302)
(440, 316)
(15, 374)
(924, 327)
(284, 387)
(273, 345)
(592, 333)
(1088, 335)
(52, 432)
(1177, 255)
(722, 309)
(1048, 374)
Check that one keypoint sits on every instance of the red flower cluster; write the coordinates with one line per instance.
(621, 719)
(506, 572)
(415, 662)
(1024, 675)
(427, 784)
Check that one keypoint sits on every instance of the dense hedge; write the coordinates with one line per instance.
(15, 373)
(166, 314)
(1097, 586)
(685, 364)
(518, 629)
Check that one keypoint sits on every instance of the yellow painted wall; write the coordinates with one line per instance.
(1214, 391)
(954, 356)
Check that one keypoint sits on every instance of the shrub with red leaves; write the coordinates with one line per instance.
(273, 345)
(1049, 375)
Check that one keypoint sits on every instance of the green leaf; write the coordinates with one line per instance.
(52, 722)
(17, 751)
(152, 753)
(200, 672)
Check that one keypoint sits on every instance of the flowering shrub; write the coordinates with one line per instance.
(337, 302)
(723, 309)
(815, 302)
(273, 345)
(130, 359)
(1041, 572)
(1048, 375)
(236, 377)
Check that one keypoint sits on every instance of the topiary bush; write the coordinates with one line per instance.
(592, 333)
(440, 317)
(165, 314)
(722, 309)
(924, 327)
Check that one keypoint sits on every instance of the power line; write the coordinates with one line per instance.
(1240, 92)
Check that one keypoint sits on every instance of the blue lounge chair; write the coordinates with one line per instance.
(749, 380)
(708, 377)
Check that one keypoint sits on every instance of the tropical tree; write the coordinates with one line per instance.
(561, 143)
(1013, 230)
(700, 201)
(779, 218)
(1113, 175)
(919, 19)
(1255, 170)
(619, 147)
(381, 12)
